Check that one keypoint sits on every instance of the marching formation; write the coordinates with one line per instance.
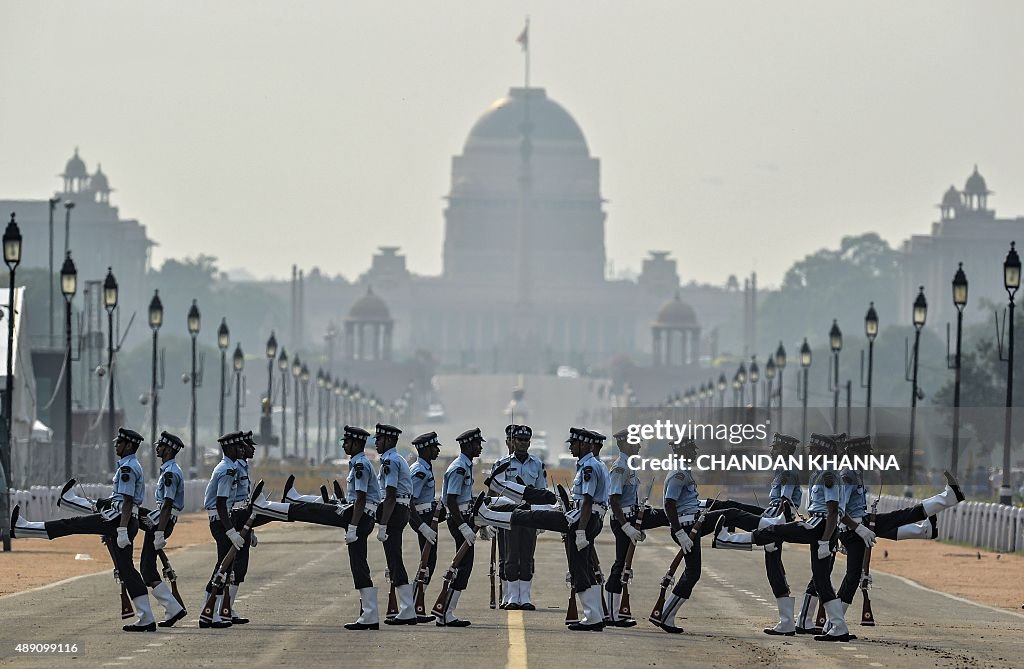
(384, 501)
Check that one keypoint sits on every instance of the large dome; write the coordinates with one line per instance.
(551, 125)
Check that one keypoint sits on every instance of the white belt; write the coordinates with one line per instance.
(154, 516)
(403, 500)
(426, 506)
(630, 510)
(370, 508)
(463, 508)
(214, 515)
(687, 519)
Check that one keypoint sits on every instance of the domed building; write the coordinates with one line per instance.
(368, 329)
(676, 321)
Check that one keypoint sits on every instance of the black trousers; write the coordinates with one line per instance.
(357, 562)
(220, 537)
(691, 563)
(522, 544)
(885, 526)
(465, 568)
(653, 518)
(94, 523)
(801, 533)
(393, 546)
(581, 563)
(539, 496)
(415, 521)
(147, 561)
(240, 567)
(733, 504)
(502, 540)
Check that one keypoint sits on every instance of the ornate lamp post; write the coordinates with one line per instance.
(722, 385)
(68, 287)
(959, 301)
(304, 376)
(805, 367)
(282, 365)
(755, 376)
(920, 312)
(223, 341)
(769, 377)
(321, 383)
(870, 331)
(1011, 281)
(238, 363)
(156, 319)
(193, 322)
(296, 372)
(835, 342)
(110, 294)
(741, 378)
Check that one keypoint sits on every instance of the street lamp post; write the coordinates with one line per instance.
(769, 377)
(193, 322)
(110, 294)
(305, 412)
(1011, 281)
(53, 205)
(919, 315)
(267, 406)
(321, 383)
(870, 331)
(296, 372)
(835, 341)
(722, 385)
(805, 366)
(755, 376)
(959, 301)
(12, 256)
(68, 206)
(238, 363)
(223, 341)
(780, 364)
(68, 288)
(741, 378)
(282, 365)
(156, 319)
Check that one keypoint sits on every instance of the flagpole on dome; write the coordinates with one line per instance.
(524, 41)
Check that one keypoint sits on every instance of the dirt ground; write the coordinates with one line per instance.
(36, 562)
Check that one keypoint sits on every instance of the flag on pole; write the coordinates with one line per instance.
(524, 37)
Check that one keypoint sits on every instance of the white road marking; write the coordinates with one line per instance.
(154, 645)
(875, 664)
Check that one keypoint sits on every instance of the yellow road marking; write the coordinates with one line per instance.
(516, 641)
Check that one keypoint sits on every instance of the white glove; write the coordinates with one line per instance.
(429, 534)
(867, 535)
(236, 538)
(684, 540)
(350, 535)
(467, 533)
(634, 534)
(158, 540)
(492, 532)
(824, 550)
(581, 540)
(771, 548)
(122, 537)
(382, 533)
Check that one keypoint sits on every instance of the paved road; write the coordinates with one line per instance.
(299, 594)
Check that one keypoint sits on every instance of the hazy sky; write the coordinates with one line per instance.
(737, 135)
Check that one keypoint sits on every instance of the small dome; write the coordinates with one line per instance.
(369, 307)
(75, 167)
(550, 124)
(976, 184)
(98, 182)
(951, 198)
(676, 313)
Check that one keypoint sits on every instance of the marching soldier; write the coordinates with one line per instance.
(457, 492)
(221, 493)
(170, 501)
(623, 497)
(502, 536)
(819, 531)
(521, 542)
(246, 449)
(395, 480)
(423, 504)
(117, 522)
(581, 525)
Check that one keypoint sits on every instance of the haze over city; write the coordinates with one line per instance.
(269, 134)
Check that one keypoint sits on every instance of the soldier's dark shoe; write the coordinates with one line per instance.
(774, 632)
(951, 480)
(628, 622)
(362, 626)
(935, 526)
(671, 629)
(140, 628)
(401, 621)
(173, 619)
(424, 619)
(528, 607)
(14, 519)
(808, 630)
(239, 621)
(454, 623)
(829, 637)
(289, 484)
(513, 606)
(582, 627)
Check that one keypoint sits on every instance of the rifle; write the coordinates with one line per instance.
(444, 598)
(668, 580)
(220, 576)
(627, 565)
(423, 573)
(867, 617)
(170, 576)
(491, 573)
(572, 614)
(127, 611)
